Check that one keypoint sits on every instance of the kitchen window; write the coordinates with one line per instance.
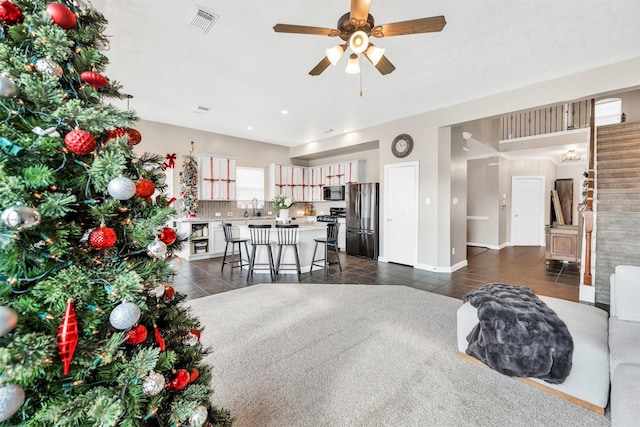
(249, 184)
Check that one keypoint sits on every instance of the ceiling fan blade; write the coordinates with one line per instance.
(414, 26)
(303, 29)
(359, 11)
(385, 66)
(322, 65)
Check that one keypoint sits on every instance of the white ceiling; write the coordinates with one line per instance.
(245, 73)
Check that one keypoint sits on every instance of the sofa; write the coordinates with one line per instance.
(624, 346)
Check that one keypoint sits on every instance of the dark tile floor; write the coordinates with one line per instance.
(513, 265)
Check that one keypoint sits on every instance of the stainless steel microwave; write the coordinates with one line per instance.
(334, 192)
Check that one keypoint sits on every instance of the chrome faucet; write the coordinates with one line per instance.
(254, 206)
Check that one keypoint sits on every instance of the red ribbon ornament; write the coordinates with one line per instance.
(68, 336)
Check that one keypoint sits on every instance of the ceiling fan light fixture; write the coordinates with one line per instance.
(359, 41)
(374, 54)
(353, 67)
(335, 53)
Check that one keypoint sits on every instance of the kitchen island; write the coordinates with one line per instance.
(306, 233)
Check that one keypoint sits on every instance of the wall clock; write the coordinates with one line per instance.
(402, 145)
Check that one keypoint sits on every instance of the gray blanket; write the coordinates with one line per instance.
(518, 335)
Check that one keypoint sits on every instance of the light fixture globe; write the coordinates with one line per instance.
(353, 67)
(374, 54)
(335, 53)
(359, 41)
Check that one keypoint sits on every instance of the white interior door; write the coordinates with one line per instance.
(527, 210)
(401, 213)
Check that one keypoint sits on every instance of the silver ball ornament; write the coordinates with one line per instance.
(153, 384)
(8, 320)
(158, 292)
(174, 263)
(157, 249)
(20, 217)
(199, 416)
(121, 188)
(49, 66)
(8, 88)
(190, 339)
(124, 316)
(11, 399)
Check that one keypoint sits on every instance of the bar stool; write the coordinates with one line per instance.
(329, 242)
(229, 239)
(261, 236)
(287, 237)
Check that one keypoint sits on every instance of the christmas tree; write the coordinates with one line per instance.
(189, 186)
(91, 331)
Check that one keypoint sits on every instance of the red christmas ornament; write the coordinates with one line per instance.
(94, 79)
(115, 133)
(193, 376)
(80, 142)
(67, 336)
(10, 14)
(159, 339)
(196, 332)
(102, 237)
(62, 15)
(168, 235)
(144, 188)
(169, 292)
(135, 137)
(179, 381)
(136, 335)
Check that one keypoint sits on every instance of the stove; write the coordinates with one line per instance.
(334, 215)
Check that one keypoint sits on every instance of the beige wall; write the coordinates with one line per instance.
(164, 139)
(371, 165)
(431, 146)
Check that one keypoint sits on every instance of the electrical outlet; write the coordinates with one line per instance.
(229, 213)
(217, 213)
(269, 213)
(453, 251)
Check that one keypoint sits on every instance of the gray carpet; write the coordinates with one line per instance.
(353, 355)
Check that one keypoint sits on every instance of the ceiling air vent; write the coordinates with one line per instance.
(200, 110)
(202, 21)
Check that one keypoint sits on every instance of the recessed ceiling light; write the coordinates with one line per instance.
(249, 127)
(284, 112)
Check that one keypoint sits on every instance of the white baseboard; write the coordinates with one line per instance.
(587, 294)
(494, 247)
(437, 269)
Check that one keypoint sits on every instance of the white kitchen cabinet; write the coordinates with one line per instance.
(342, 234)
(305, 183)
(216, 177)
(217, 239)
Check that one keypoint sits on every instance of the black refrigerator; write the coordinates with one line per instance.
(362, 219)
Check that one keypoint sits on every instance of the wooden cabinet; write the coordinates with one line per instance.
(563, 243)
(216, 178)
